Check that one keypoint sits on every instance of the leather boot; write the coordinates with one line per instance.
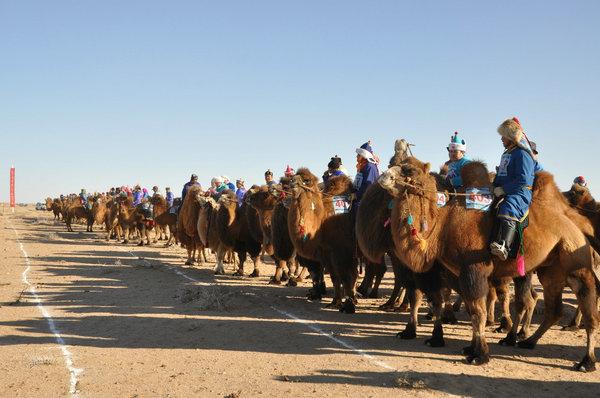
(504, 238)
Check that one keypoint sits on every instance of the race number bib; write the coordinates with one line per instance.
(441, 199)
(479, 199)
(341, 204)
(503, 167)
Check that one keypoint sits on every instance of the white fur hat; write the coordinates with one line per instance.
(511, 129)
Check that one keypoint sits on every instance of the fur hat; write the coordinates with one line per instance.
(511, 129)
(579, 180)
(456, 144)
(268, 173)
(366, 151)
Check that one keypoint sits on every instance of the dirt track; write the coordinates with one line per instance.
(137, 323)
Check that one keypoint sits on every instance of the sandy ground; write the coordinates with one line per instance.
(134, 322)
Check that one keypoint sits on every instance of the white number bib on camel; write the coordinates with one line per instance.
(341, 205)
(441, 199)
(479, 198)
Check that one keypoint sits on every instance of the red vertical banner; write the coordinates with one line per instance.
(12, 188)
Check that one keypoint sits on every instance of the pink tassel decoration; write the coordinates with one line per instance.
(521, 265)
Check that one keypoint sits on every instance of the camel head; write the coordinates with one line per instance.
(338, 185)
(304, 181)
(262, 199)
(401, 152)
(407, 178)
(229, 200)
(208, 201)
(579, 196)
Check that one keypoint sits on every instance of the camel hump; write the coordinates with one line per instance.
(475, 174)
(338, 185)
(545, 189)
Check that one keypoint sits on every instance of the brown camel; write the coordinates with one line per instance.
(55, 206)
(132, 218)
(77, 211)
(321, 235)
(234, 234)
(187, 225)
(553, 246)
(207, 221)
(111, 221)
(160, 210)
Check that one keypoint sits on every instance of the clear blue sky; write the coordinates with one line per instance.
(97, 94)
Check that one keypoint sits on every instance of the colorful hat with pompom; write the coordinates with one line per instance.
(456, 144)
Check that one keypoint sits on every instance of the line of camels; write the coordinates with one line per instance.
(433, 250)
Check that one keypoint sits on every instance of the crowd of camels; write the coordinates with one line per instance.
(445, 249)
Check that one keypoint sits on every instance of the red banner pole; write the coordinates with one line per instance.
(12, 188)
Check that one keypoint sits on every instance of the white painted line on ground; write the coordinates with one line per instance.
(315, 328)
(73, 371)
(307, 323)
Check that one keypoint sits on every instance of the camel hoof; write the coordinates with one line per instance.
(489, 323)
(348, 307)
(314, 295)
(374, 294)
(274, 281)
(522, 335)
(570, 328)
(478, 359)
(254, 273)
(141, 244)
(509, 340)
(125, 242)
(292, 282)
(219, 272)
(409, 333)
(586, 365)
(238, 273)
(189, 262)
(526, 344)
(505, 325)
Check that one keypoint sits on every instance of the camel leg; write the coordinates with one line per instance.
(337, 290)
(523, 304)
(348, 278)
(583, 285)
(553, 281)
(367, 281)
(474, 285)
(397, 268)
(256, 271)
(380, 269)
(415, 297)
(504, 297)
(491, 299)
(242, 258)
(302, 274)
(531, 301)
(276, 279)
(126, 235)
(437, 303)
(315, 269)
(219, 267)
(448, 309)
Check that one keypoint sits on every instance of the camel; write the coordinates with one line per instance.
(55, 206)
(111, 221)
(132, 218)
(234, 234)
(320, 235)
(99, 211)
(162, 217)
(265, 201)
(553, 245)
(187, 225)
(77, 211)
(206, 225)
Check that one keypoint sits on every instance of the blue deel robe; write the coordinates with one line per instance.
(515, 175)
(454, 171)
